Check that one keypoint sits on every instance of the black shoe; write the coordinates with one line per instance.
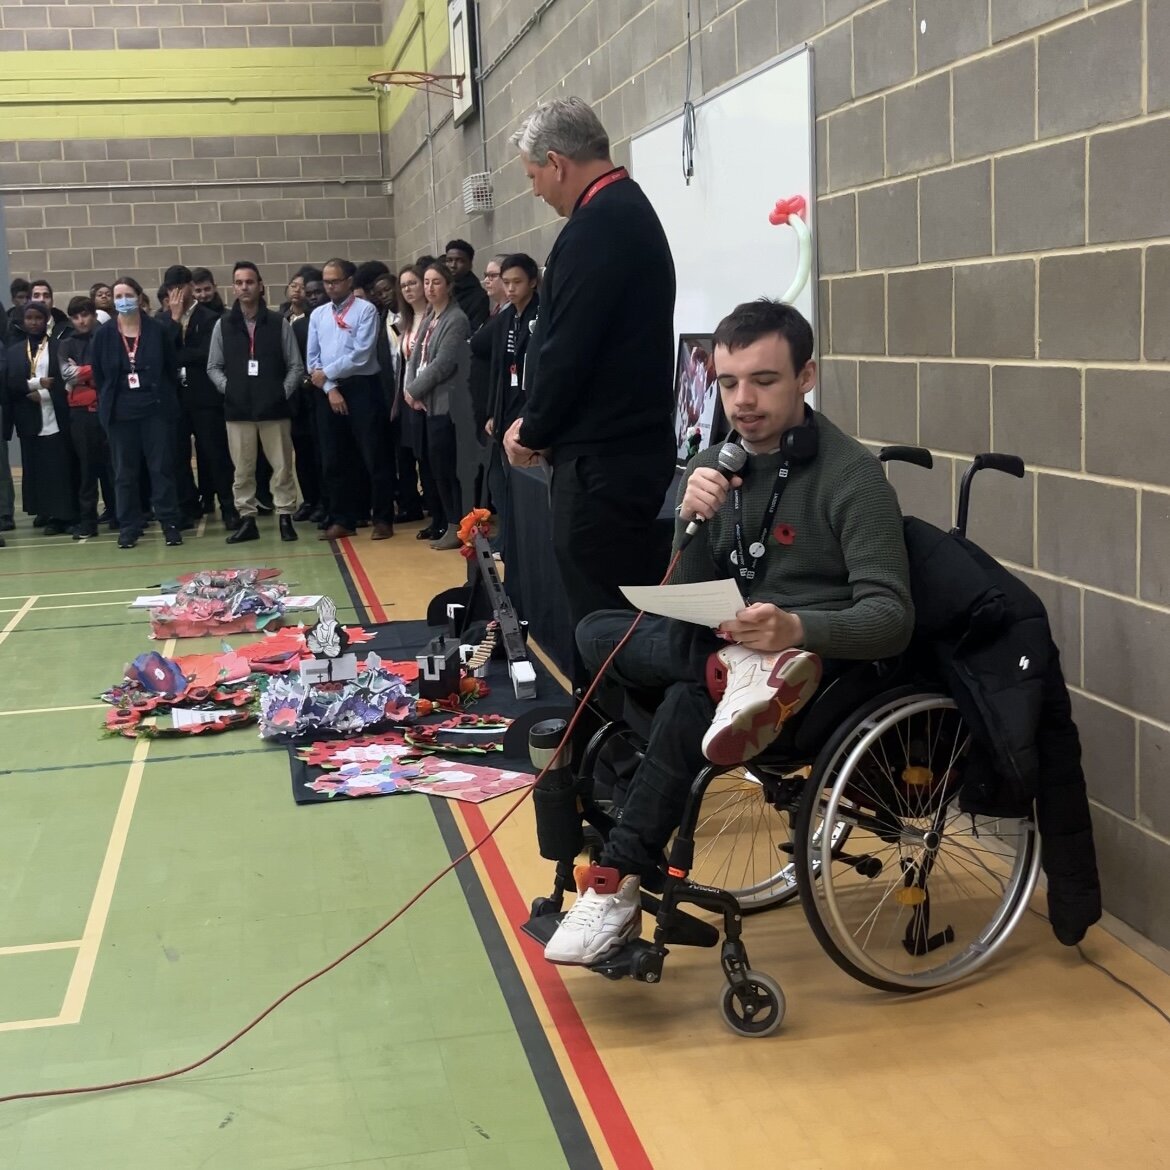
(82, 531)
(318, 516)
(40, 521)
(265, 508)
(409, 516)
(7, 524)
(231, 519)
(287, 531)
(127, 539)
(55, 528)
(324, 522)
(246, 531)
(303, 513)
(172, 535)
(428, 533)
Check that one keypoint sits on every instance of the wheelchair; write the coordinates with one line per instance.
(854, 811)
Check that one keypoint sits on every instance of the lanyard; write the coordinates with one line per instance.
(339, 318)
(747, 561)
(426, 342)
(600, 185)
(132, 354)
(251, 338)
(34, 360)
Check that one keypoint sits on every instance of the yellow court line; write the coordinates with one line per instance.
(34, 948)
(26, 1025)
(14, 621)
(74, 593)
(83, 605)
(55, 710)
(103, 895)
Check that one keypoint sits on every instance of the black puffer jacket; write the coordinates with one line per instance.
(986, 636)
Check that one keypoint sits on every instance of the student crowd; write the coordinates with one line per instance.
(353, 404)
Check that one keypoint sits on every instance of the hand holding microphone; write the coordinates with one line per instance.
(708, 487)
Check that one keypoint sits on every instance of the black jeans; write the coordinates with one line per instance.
(306, 447)
(93, 463)
(368, 426)
(152, 437)
(666, 662)
(442, 463)
(206, 424)
(606, 531)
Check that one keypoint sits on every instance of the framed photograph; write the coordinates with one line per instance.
(461, 15)
(698, 412)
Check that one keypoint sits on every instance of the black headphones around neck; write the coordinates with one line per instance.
(800, 444)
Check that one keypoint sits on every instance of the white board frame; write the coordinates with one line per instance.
(461, 38)
(807, 301)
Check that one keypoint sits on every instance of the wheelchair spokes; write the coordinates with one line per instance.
(941, 889)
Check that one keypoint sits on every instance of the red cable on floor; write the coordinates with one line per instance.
(417, 896)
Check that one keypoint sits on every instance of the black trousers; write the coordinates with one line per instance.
(367, 425)
(306, 445)
(50, 471)
(205, 423)
(665, 661)
(605, 531)
(152, 437)
(443, 464)
(93, 463)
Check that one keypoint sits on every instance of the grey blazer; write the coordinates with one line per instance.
(448, 368)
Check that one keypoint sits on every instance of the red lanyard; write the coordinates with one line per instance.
(426, 341)
(251, 339)
(601, 184)
(130, 353)
(339, 318)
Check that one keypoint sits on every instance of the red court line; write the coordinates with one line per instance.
(604, 1100)
(363, 581)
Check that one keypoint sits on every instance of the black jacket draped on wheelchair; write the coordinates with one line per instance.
(986, 635)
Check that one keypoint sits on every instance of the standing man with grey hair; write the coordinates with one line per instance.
(600, 367)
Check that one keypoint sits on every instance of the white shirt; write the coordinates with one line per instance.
(41, 370)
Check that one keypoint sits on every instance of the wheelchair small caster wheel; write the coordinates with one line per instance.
(760, 1013)
(541, 907)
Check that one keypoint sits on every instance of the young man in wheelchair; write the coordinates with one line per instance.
(811, 532)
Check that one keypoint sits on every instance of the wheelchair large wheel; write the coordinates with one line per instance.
(925, 894)
(743, 840)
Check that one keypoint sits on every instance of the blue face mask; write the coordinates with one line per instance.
(125, 305)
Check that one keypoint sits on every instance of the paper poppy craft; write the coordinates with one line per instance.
(218, 603)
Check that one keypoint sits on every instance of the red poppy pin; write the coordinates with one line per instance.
(784, 533)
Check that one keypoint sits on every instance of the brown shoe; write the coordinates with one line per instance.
(381, 530)
(336, 532)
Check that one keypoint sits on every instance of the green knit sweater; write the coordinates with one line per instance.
(842, 566)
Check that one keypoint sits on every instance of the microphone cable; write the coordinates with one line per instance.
(468, 853)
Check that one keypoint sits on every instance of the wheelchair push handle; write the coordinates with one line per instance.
(993, 460)
(919, 456)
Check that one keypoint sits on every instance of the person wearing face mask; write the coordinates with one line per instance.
(40, 412)
(136, 371)
(436, 377)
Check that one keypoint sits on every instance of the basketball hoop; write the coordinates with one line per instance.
(441, 84)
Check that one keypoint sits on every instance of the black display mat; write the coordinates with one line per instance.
(396, 641)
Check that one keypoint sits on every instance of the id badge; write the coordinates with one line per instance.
(132, 380)
(183, 375)
(515, 376)
(253, 368)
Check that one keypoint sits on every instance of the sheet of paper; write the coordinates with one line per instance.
(303, 601)
(183, 717)
(153, 601)
(704, 603)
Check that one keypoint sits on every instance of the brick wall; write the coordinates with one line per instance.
(994, 246)
(140, 205)
(195, 24)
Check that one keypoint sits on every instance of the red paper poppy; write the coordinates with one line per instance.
(784, 533)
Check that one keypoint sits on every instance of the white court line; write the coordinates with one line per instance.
(78, 592)
(83, 605)
(33, 948)
(14, 621)
(26, 1025)
(103, 896)
(55, 710)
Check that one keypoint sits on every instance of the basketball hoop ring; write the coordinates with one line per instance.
(441, 84)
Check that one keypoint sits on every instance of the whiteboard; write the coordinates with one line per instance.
(754, 145)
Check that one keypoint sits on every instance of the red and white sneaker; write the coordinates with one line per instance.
(759, 692)
(606, 914)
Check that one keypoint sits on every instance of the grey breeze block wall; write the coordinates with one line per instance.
(278, 200)
(994, 245)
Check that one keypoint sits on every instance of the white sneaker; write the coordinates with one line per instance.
(761, 692)
(606, 914)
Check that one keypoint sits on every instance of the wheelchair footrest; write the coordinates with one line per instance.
(684, 930)
(636, 959)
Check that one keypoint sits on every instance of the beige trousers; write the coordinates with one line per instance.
(275, 436)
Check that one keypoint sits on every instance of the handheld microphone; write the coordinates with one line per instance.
(732, 457)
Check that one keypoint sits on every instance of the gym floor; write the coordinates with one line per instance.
(155, 896)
